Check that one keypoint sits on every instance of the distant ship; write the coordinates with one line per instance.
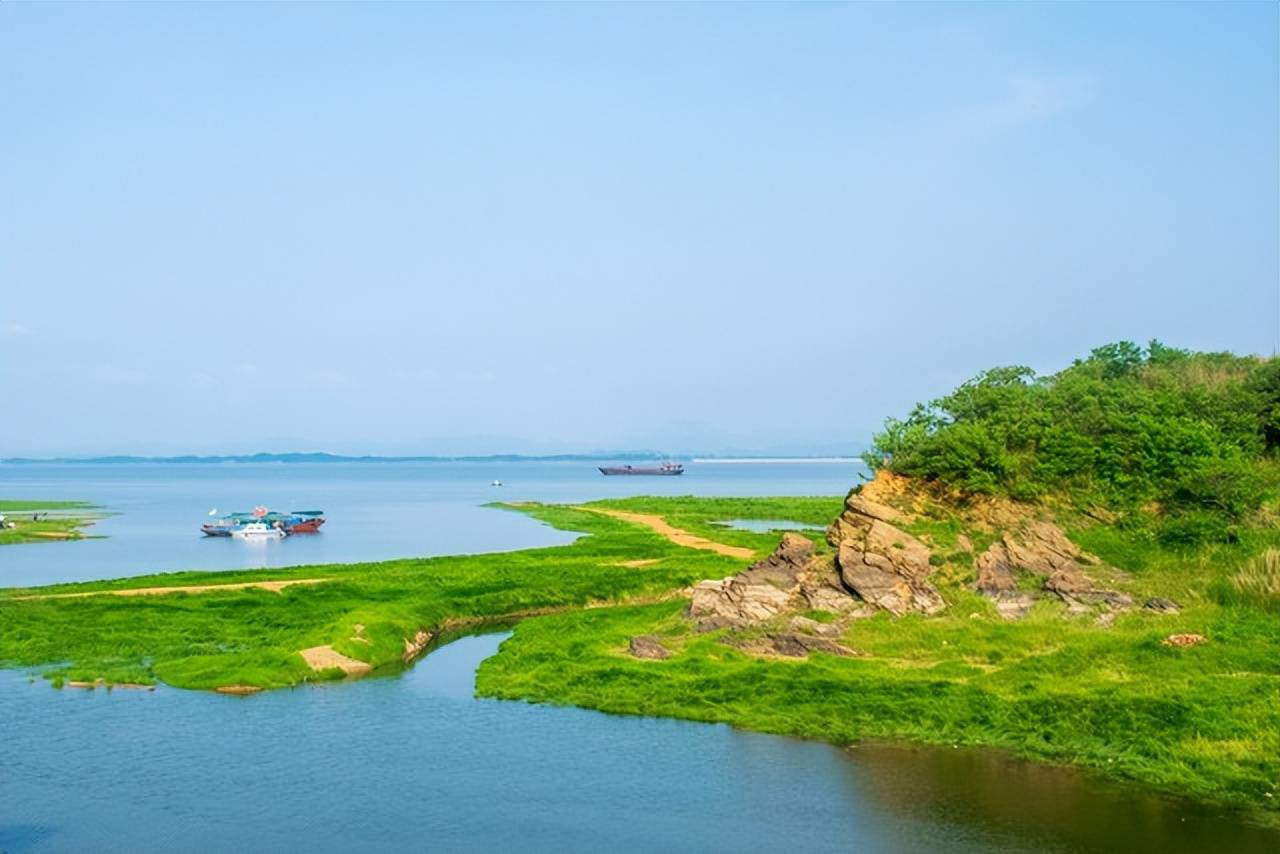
(667, 468)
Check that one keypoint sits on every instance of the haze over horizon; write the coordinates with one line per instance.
(437, 228)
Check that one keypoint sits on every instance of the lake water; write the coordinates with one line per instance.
(764, 526)
(376, 511)
(412, 761)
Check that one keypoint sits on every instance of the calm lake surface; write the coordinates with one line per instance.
(412, 761)
(376, 511)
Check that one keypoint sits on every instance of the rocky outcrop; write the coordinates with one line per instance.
(788, 580)
(881, 563)
(648, 647)
(997, 579)
(1078, 590)
(778, 588)
(1160, 605)
(1040, 549)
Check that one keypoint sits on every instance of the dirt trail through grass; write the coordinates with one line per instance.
(675, 535)
(273, 586)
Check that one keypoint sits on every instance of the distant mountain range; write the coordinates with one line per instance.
(339, 458)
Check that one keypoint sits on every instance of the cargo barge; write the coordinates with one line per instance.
(667, 468)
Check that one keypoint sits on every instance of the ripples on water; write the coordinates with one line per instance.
(412, 762)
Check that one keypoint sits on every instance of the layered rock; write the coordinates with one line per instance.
(881, 563)
(788, 580)
(1043, 550)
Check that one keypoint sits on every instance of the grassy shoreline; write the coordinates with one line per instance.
(60, 520)
(1201, 722)
(365, 611)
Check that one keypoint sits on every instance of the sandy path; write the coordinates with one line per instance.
(324, 657)
(273, 586)
(675, 535)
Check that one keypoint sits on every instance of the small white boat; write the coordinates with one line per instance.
(257, 531)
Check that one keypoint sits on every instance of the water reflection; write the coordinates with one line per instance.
(414, 762)
(1027, 806)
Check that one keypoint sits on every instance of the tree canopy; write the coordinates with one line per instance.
(1180, 435)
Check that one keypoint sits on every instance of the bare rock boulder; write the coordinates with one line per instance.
(883, 564)
(759, 593)
(1041, 549)
(996, 573)
(797, 645)
(1078, 590)
(648, 647)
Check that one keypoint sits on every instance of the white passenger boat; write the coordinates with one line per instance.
(257, 531)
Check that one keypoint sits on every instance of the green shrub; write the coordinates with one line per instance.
(1128, 428)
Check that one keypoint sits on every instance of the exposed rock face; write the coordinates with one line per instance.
(996, 573)
(881, 563)
(1074, 587)
(647, 646)
(759, 593)
(788, 580)
(1162, 606)
(1041, 549)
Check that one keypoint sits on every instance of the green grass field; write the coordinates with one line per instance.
(252, 637)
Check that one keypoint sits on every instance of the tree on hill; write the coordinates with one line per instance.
(1184, 437)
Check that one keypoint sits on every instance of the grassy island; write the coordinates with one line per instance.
(43, 521)
(1151, 652)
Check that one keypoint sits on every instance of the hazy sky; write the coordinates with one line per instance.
(518, 227)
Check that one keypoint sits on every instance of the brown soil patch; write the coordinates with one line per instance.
(1185, 640)
(675, 535)
(886, 486)
(273, 586)
(632, 564)
(324, 657)
(237, 690)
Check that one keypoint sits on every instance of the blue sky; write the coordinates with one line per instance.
(444, 228)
